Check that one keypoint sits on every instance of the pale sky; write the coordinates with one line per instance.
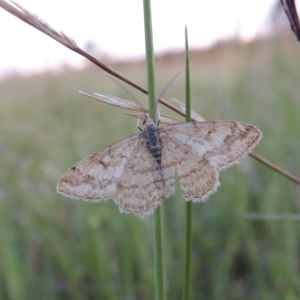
(116, 26)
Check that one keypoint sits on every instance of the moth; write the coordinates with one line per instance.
(138, 171)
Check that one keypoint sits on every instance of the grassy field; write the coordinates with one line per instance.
(56, 248)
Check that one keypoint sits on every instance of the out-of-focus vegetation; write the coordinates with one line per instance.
(56, 248)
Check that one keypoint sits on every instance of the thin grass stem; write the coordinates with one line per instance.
(158, 215)
(189, 204)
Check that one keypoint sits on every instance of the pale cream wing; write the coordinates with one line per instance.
(97, 176)
(197, 180)
(198, 151)
(143, 183)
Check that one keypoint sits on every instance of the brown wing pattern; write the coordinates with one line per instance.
(198, 151)
(97, 176)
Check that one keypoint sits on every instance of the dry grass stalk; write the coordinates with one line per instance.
(31, 19)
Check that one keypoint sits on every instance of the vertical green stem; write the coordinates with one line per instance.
(187, 80)
(160, 293)
(188, 231)
(158, 215)
(150, 59)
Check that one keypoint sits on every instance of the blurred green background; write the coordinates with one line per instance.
(56, 248)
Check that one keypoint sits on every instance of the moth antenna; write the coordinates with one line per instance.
(123, 87)
(163, 91)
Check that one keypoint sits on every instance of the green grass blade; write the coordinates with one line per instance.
(150, 59)
(158, 224)
(188, 230)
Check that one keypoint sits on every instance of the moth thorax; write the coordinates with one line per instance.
(151, 134)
